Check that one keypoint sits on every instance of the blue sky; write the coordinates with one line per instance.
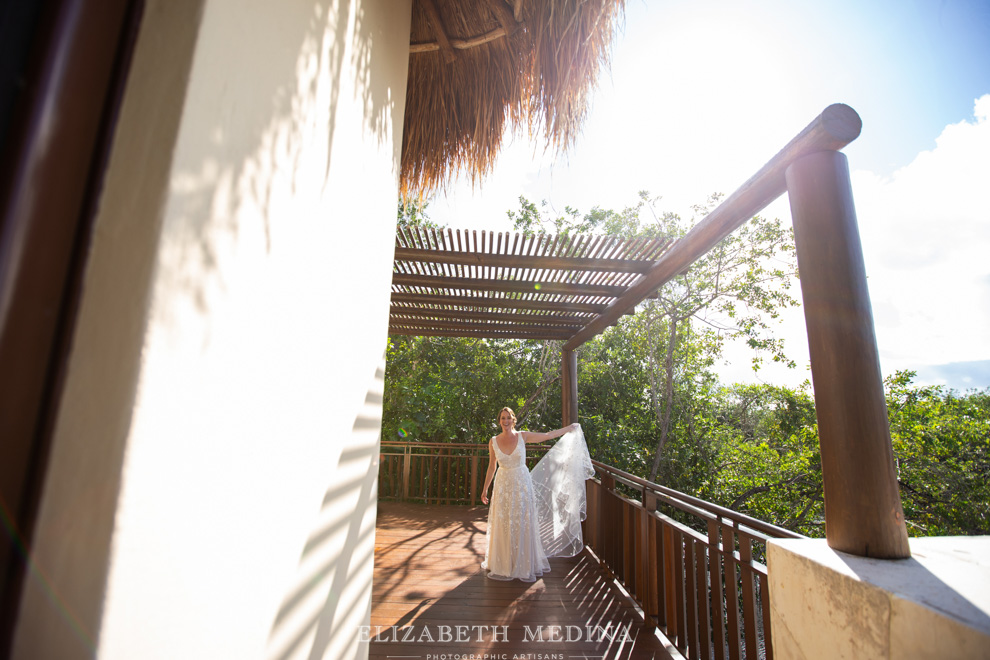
(703, 93)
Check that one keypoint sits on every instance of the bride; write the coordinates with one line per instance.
(533, 516)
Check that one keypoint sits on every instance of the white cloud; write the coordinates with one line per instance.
(926, 237)
(926, 242)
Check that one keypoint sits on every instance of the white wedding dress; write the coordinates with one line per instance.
(536, 516)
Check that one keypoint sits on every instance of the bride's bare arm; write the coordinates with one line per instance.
(492, 464)
(530, 437)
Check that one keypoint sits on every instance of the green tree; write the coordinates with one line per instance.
(942, 450)
(444, 389)
(766, 460)
(732, 292)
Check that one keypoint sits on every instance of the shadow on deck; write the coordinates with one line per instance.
(428, 581)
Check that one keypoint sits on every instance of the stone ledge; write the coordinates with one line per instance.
(828, 604)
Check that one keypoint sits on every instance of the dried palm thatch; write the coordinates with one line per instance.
(480, 69)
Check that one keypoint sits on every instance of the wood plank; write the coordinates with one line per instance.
(427, 575)
(490, 334)
(767, 618)
(701, 585)
(715, 555)
(731, 592)
(691, 589)
(495, 303)
(557, 319)
(557, 330)
(509, 286)
(749, 596)
(535, 262)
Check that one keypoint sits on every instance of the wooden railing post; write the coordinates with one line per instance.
(474, 479)
(568, 387)
(606, 522)
(651, 595)
(406, 467)
(863, 514)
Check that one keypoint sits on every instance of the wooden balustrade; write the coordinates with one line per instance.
(437, 472)
(696, 569)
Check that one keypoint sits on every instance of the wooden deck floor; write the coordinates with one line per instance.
(428, 580)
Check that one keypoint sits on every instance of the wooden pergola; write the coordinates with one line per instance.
(512, 286)
(571, 289)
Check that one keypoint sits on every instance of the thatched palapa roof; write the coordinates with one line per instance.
(479, 68)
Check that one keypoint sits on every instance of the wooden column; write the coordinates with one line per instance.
(568, 387)
(863, 514)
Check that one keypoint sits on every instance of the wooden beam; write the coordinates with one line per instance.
(495, 303)
(460, 44)
(516, 286)
(504, 16)
(568, 387)
(837, 126)
(522, 261)
(568, 321)
(438, 31)
(863, 514)
(426, 332)
(556, 330)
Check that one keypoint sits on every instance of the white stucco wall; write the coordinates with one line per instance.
(212, 483)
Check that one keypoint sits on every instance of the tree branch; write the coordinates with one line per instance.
(537, 393)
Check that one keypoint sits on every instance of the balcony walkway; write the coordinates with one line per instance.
(428, 576)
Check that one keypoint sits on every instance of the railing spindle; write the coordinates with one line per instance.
(715, 558)
(678, 566)
(731, 591)
(628, 545)
(701, 586)
(663, 618)
(643, 558)
(691, 597)
(749, 598)
(765, 602)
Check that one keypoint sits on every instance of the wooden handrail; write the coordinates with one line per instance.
(834, 128)
(676, 498)
(434, 445)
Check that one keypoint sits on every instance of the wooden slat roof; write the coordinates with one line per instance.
(459, 283)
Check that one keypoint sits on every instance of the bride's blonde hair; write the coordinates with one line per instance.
(498, 419)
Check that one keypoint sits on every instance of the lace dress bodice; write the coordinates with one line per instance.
(514, 460)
